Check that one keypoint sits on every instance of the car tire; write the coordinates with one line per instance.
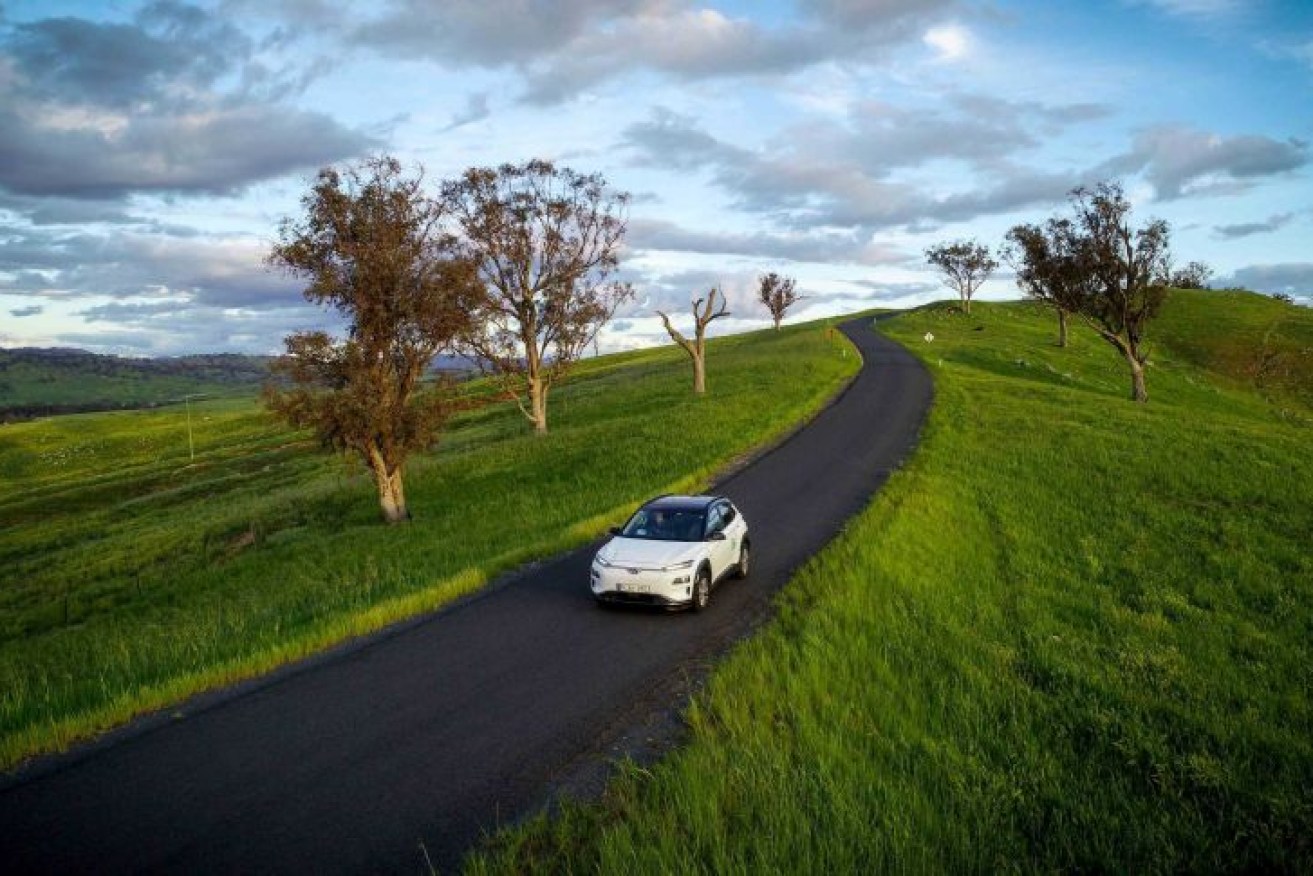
(702, 590)
(745, 560)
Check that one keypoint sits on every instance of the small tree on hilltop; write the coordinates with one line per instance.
(370, 247)
(1048, 269)
(778, 294)
(1128, 271)
(1193, 276)
(546, 241)
(703, 316)
(965, 265)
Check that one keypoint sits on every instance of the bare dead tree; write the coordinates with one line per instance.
(546, 242)
(371, 247)
(965, 265)
(778, 294)
(703, 316)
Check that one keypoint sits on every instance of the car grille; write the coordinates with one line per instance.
(640, 598)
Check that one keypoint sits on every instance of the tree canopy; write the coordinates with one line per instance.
(965, 265)
(1049, 267)
(1097, 265)
(778, 294)
(545, 242)
(371, 247)
(1193, 276)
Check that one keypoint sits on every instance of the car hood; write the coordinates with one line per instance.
(648, 553)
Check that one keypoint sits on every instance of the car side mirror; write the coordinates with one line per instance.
(716, 536)
(614, 530)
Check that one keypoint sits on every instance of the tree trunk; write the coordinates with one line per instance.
(777, 321)
(699, 372)
(538, 405)
(391, 492)
(1062, 327)
(1139, 392)
(966, 304)
(1131, 353)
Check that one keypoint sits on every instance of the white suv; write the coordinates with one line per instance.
(672, 552)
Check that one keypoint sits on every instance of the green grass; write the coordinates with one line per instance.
(34, 382)
(133, 576)
(1255, 340)
(1072, 634)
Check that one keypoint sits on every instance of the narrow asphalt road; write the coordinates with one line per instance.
(442, 729)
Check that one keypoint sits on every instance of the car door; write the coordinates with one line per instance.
(723, 552)
(736, 529)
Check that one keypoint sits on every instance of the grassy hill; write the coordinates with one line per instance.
(1252, 340)
(39, 382)
(131, 576)
(1072, 634)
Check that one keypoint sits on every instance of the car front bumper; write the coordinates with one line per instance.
(642, 586)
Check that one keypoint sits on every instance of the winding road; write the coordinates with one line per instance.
(407, 747)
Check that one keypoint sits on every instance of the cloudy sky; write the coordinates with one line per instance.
(148, 151)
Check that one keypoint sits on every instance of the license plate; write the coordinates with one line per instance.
(635, 588)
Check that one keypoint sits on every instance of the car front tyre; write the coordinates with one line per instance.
(745, 561)
(702, 590)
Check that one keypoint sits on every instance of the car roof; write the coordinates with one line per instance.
(682, 503)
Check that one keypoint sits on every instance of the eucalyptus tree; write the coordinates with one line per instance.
(370, 246)
(964, 264)
(1128, 268)
(546, 242)
(1193, 276)
(1047, 269)
(1097, 265)
(778, 294)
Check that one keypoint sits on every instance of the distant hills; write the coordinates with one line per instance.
(43, 381)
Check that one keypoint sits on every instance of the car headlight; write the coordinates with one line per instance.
(675, 567)
(601, 561)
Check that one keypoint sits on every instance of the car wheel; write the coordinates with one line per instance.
(745, 561)
(702, 590)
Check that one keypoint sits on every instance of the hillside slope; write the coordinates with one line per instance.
(39, 382)
(1073, 634)
(1257, 341)
(134, 575)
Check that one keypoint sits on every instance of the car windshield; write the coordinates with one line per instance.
(666, 524)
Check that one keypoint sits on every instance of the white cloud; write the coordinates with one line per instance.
(1182, 161)
(176, 102)
(842, 247)
(951, 42)
(826, 138)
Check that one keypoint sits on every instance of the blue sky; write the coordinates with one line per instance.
(148, 150)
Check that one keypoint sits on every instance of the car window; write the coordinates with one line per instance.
(715, 519)
(665, 524)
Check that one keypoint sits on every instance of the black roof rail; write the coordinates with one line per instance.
(703, 499)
